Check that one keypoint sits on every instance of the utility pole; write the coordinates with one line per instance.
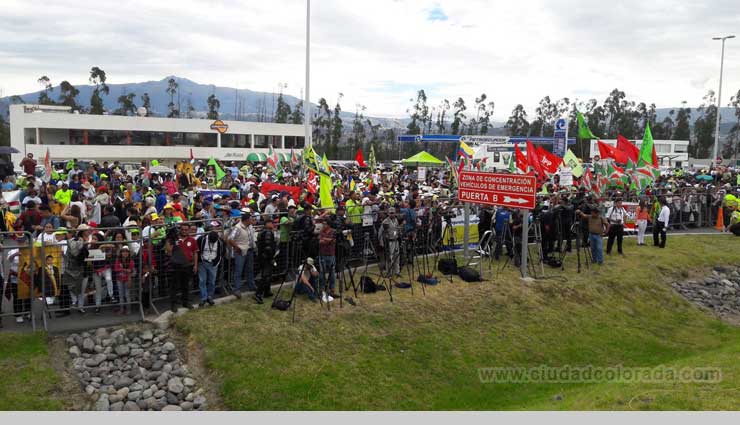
(719, 96)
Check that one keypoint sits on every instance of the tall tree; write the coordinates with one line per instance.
(704, 127)
(282, 110)
(146, 102)
(172, 89)
(682, 130)
(322, 124)
(336, 129)
(419, 113)
(458, 116)
(126, 104)
(213, 105)
(517, 124)
(296, 117)
(98, 77)
(614, 107)
(546, 113)
(357, 140)
(664, 129)
(189, 108)
(441, 124)
(44, 98)
(733, 137)
(68, 95)
(484, 110)
(596, 116)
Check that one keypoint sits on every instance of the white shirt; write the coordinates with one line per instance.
(616, 215)
(665, 214)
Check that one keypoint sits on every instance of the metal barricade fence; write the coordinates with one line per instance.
(19, 278)
(109, 278)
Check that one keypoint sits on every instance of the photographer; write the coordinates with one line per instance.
(596, 228)
(308, 280)
(564, 220)
(615, 216)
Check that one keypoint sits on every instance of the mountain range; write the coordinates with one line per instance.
(241, 104)
(245, 104)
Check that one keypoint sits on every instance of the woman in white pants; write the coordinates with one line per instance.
(643, 216)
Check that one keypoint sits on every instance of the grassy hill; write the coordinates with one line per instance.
(423, 352)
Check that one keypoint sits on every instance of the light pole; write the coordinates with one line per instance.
(719, 95)
(307, 99)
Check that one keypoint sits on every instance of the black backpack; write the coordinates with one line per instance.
(469, 275)
(367, 285)
(447, 266)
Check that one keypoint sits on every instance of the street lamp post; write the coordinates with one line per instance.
(307, 99)
(719, 95)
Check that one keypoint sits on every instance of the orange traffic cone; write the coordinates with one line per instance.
(720, 221)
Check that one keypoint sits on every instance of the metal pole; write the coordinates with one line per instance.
(466, 230)
(719, 102)
(525, 241)
(307, 101)
(719, 95)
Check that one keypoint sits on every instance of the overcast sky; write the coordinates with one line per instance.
(379, 52)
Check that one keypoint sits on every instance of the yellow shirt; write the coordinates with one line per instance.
(354, 211)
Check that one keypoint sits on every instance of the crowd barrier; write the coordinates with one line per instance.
(45, 291)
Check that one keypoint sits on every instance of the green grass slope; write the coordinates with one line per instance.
(28, 380)
(423, 352)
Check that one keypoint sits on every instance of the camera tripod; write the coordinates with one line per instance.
(532, 267)
(448, 232)
(580, 246)
(508, 236)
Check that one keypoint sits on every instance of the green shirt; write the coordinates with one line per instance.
(64, 197)
(354, 211)
(286, 225)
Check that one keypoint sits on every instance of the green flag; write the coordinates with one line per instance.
(583, 131)
(325, 191)
(646, 149)
(219, 172)
(571, 160)
(512, 164)
(371, 160)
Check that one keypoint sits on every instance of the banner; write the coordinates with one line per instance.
(210, 193)
(294, 191)
(566, 177)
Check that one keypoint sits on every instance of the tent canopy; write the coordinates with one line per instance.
(424, 159)
(256, 157)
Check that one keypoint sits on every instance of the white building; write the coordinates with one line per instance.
(671, 153)
(67, 135)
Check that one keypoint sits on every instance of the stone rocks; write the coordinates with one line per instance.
(125, 370)
(88, 345)
(123, 350)
(175, 385)
(717, 292)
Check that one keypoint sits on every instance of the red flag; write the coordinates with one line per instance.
(521, 161)
(548, 160)
(606, 151)
(655, 157)
(360, 160)
(533, 160)
(628, 148)
(47, 165)
(311, 183)
(192, 157)
(461, 165)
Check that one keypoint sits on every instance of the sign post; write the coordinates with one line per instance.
(560, 138)
(508, 190)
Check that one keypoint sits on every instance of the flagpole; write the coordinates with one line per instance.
(307, 101)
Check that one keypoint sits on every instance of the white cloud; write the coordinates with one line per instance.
(378, 53)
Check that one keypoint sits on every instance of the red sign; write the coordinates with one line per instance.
(510, 190)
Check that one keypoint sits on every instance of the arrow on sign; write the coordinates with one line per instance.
(515, 200)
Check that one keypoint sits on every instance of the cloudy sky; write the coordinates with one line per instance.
(379, 52)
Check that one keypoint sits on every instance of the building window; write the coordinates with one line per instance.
(662, 148)
(680, 148)
(294, 142)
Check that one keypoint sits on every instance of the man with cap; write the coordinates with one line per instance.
(183, 253)
(242, 239)
(307, 281)
(63, 195)
(212, 250)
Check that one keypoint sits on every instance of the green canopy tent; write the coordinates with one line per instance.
(256, 157)
(422, 159)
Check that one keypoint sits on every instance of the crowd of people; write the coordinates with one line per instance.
(127, 237)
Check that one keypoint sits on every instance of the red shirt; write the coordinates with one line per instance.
(189, 247)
